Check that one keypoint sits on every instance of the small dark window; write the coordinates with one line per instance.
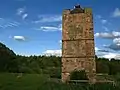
(91, 28)
(67, 60)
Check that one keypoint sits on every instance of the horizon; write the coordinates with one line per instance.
(35, 27)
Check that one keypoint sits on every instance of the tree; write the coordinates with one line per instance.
(7, 57)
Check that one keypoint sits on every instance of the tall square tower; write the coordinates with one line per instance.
(78, 42)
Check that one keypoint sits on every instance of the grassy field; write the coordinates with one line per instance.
(24, 82)
(42, 82)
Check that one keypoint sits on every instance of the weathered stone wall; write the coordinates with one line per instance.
(78, 43)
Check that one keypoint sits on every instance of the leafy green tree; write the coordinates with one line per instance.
(7, 57)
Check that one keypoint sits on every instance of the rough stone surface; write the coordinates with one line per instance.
(78, 43)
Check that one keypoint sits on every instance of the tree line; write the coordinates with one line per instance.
(51, 65)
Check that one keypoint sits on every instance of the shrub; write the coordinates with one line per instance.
(78, 75)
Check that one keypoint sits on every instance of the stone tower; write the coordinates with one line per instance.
(78, 42)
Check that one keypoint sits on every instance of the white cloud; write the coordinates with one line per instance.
(105, 45)
(107, 35)
(24, 16)
(110, 55)
(116, 33)
(116, 41)
(47, 18)
(104, 21)
(20, 11)
(115, 36)
(105, 28)
(50, 28)
(97, 34)
(117, 56)
(45, 28)
(104, 35)
(6, 23)
(52, 52)
(19, 38)
(116, 13)
(98, 16)
(113, 46)
(60, 42)
(106, 54)
(14, 23)
(96, 49)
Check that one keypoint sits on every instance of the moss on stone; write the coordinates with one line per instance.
(88, 10)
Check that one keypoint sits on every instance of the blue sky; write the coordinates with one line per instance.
(33, 27)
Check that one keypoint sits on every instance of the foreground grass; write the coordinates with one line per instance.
(24, 82)
(42, 82)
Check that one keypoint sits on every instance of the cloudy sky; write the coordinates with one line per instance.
(33, 27)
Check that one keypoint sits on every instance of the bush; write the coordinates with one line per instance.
(78, 75)
(100, 65)
(53, 72)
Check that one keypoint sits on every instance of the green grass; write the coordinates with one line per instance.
(9, 81)
(26, 82)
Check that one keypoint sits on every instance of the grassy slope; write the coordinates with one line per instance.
(41, 82)
(26, 82)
